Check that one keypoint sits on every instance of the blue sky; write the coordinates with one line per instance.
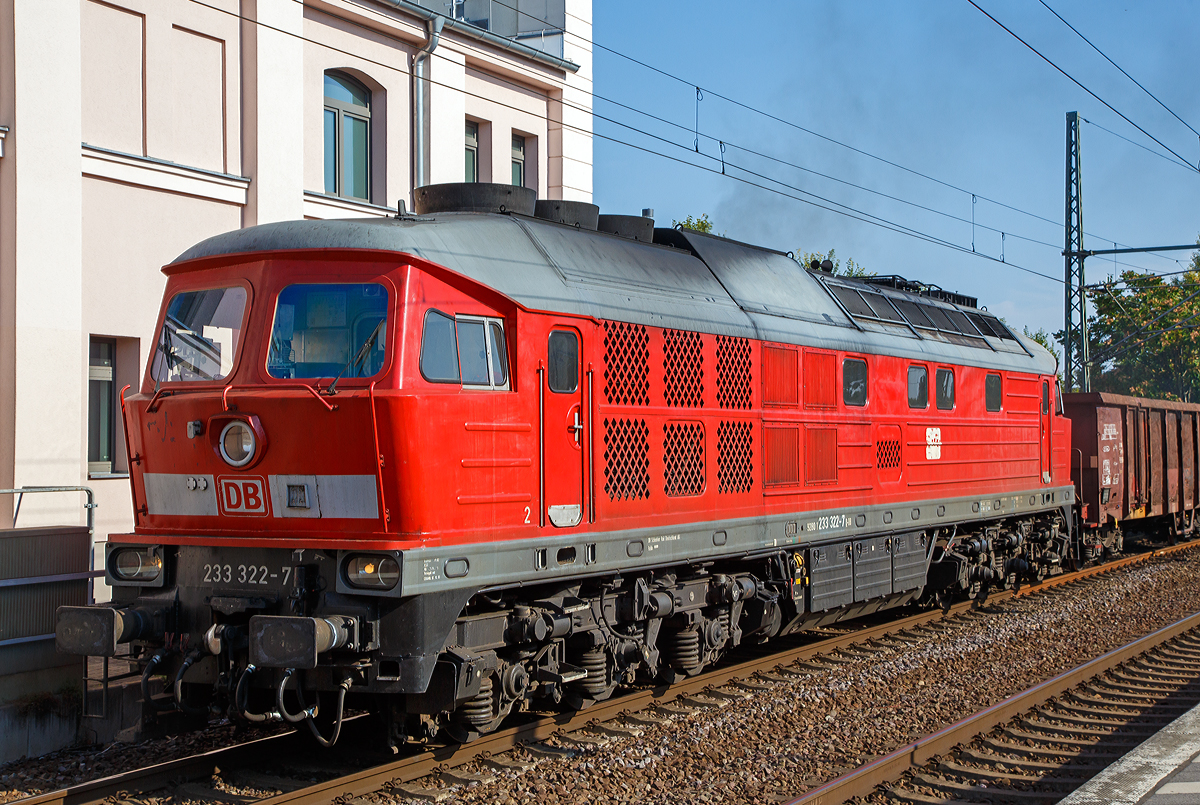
(936, 87)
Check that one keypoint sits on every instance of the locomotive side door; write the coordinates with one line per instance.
(564, 423)
(1047, 424)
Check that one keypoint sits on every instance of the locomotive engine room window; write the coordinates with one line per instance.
(945, 389)
(1045, 397)
(469, 349)
(347, 137)
(991, 392)
(918, 387)
(329, 330)
(199, 335)
(854, 382)
(563, 360)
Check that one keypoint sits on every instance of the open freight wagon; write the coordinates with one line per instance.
(1133, 462)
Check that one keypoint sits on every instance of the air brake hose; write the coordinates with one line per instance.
(153, 663)
(184, 707)
(305, 712)
(242, 693)
(337, 719)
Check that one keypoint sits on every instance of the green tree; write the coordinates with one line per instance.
(1045, 339)
(852, 269)
(701, 224)
(1049, 342)
(1145, 335)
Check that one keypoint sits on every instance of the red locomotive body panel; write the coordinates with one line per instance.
(459, 465)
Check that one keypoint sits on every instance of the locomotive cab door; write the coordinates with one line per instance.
(564, 422)
(1046, 425)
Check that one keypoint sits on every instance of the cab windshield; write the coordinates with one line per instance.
(199, 336)
(329, 330)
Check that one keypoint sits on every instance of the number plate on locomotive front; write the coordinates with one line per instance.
(250, 569)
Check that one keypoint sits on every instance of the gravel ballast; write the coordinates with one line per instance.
(792, 736)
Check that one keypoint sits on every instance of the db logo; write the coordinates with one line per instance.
(242, 495)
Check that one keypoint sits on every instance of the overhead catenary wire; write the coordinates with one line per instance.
(723, 144)
(1114, 64)
(1137, 144)
(844, 210)
(1077, 83)
(700, 88)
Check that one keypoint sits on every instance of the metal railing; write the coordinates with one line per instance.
(25, 585)
(89, 574)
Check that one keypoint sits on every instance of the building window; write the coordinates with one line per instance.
(518, 160)
(347, 137)
(471, 174)
(101, 360)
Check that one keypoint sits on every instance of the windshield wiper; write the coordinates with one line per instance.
(358, 356)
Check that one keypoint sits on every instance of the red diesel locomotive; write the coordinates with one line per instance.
(500, 452)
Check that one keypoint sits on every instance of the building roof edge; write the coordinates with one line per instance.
(474, 32)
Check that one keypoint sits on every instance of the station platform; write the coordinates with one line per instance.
(1164, 770)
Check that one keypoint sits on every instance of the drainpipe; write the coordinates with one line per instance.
(420, 73)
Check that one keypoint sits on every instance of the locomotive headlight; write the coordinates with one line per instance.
(135, 564)
(237, 444)
(372, 571)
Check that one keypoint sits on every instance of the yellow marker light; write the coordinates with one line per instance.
(372, 572)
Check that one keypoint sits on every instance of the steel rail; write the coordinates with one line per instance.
(890, 767)
(428, 762)
(148, 778)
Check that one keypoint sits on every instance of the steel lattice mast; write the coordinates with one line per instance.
(1077, 369)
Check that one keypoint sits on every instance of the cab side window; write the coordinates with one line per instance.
(472, 353)
(439, 349)
(466, 349)
(918, 387)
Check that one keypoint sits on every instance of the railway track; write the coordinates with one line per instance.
(1038, 746)
(234, 774)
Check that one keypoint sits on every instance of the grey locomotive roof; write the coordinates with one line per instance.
(699, 283)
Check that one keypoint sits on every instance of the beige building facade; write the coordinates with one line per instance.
(135, 128)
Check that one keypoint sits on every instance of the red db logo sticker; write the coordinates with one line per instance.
(243, 495)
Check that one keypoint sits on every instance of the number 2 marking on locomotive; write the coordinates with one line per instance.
(526, 515)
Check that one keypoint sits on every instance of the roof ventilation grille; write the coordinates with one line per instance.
(921, 288)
